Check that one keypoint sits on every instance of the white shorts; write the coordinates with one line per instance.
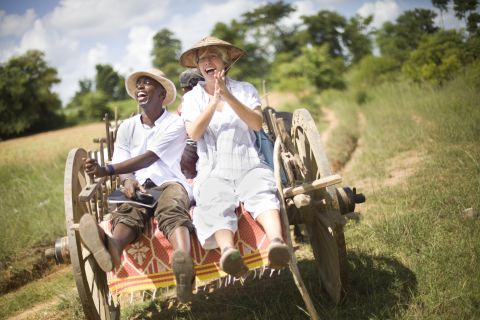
(218, 198)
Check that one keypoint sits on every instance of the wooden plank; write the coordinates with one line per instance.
(310, 186)
(90, 190)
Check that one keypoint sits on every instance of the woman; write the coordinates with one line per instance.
(222, 114)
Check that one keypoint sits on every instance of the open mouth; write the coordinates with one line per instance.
(141, 96)
(210, 71)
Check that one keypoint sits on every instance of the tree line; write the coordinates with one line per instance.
(318, 53)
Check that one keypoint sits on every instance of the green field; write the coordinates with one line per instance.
(414, 254)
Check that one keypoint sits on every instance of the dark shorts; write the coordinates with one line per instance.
(171, 211)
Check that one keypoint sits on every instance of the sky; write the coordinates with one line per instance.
(76, 35)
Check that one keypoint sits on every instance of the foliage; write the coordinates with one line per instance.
(397, 40)
(325, 27)
(265, 21)
(27, 104)
(165, 54)
(357, 39)
(93, 106)
(315, 68)
(438, 58)
(374, 70)
(109, 82)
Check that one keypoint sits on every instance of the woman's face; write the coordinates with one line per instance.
(210, 60)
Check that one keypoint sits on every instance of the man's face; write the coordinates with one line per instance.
(147, 90)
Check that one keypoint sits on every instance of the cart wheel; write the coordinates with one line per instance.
(326, 231)
(90, 279)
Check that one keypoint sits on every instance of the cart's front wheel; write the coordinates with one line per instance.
(90, 279)
(325, 227)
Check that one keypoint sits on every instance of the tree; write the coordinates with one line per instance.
(266, 20)
(438, 58)
(326, 27)
(166, 52)
(27, 104)
(93, 106)
(357, 39)
(441, 5)
(109, 82)
(315, 68)
(236, 34)
(463, 7)
(398, 40)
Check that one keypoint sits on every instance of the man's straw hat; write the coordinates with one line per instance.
(156, 75)
(188, 59)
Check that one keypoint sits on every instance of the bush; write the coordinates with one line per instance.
(438, 58)
(374, 70)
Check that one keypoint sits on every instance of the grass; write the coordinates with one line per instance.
(413, 255)
(419, 221)
(56, 291)
(31, 169)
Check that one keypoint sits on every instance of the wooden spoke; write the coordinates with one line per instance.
(90, 279)
(323, 222)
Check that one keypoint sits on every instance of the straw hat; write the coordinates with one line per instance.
(188, 59)
(156, 75)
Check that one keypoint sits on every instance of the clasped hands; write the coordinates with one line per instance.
(220, 88)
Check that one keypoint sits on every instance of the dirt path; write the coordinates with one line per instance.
(39, 311)
(347, 168)
(329, 117)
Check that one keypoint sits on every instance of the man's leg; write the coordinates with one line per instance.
(174, 221)
(122, 236)
(127, 223)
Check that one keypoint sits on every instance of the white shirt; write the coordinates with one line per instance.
(166, 139)
(227, 147)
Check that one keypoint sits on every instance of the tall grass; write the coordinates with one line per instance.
(418, 221)
(31, 171)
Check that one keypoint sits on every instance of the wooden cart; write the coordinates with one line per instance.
(306, 188)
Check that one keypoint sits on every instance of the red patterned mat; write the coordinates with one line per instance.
(146, 263)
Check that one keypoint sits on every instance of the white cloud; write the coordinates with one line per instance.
(15, 25)
(303, 8)
(54, 44)
(204, 19)
(448, 20)
(382, 11)
(139, 47)
(102, 17)
(97, 54)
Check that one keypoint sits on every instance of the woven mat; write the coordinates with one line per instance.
(146, 263)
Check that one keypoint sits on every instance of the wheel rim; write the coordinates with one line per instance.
(329, 252)
(91, 281)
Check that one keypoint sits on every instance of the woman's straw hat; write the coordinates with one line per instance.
(156, 75)
(188, 59)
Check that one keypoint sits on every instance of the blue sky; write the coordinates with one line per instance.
(78, 34)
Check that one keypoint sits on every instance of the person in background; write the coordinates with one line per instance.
(147, 155)
(221, 114)
(189, 79)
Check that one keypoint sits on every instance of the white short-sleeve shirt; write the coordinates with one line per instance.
(166, 139)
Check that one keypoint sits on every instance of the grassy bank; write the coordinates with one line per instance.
(419, 165)
(32, 209)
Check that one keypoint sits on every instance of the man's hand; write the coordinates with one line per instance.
(92, 167)
(130, 186)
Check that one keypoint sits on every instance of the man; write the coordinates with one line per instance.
(147, 154)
